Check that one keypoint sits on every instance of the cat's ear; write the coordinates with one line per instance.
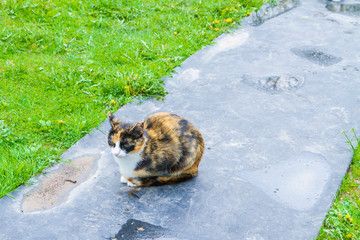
(115, 123)
(138, 130)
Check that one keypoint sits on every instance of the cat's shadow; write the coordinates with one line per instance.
(162, 205)
(180, 188)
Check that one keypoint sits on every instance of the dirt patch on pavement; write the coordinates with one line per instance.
(56, 186)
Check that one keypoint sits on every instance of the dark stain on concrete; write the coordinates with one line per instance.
(274, 84)
(135, 229)
(316, 55)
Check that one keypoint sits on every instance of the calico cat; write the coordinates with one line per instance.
(163, 149)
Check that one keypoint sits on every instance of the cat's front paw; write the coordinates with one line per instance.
(130, 184)
(123, 180)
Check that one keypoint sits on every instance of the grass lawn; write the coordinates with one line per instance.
(343, 219)
(64, 64)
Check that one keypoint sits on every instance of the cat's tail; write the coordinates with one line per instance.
(200, 151)
(188, 173)
(193, 169)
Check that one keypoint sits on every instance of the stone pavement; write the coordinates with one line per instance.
(271, 100)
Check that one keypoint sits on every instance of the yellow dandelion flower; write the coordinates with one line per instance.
(61, 121)
(175, 33)
(169, 59)
(229, 20)
(248, 13)
(127, 88)
(217, 21)
(112, 101)
(239, 5)
(136, 75)
(347, 216)
(216, 29)
(348, 236)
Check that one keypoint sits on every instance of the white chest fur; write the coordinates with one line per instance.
(128, 163)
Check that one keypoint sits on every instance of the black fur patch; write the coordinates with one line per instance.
(136, 132)
(127, 147)
(165, 138)
(163, 165)
(149, 124)
(147, 180)
(196, 136)
(144, 164)
(181, 162)
(184, 125)
(110, 135)
(153, 146)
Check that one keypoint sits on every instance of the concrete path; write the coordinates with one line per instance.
(271, 101)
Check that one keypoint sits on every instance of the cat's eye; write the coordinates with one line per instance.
(125, 145)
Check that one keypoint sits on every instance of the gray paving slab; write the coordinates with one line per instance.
(270, 99)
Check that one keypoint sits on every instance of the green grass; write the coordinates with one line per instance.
(343, 219)
(64, 64)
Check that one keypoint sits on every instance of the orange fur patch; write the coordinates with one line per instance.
(138, 147)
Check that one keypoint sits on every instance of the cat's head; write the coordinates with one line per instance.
(124, 138)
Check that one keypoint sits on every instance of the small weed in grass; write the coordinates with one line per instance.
(64, 64)
(343, 219)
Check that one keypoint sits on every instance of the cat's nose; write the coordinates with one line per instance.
(116, 154)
